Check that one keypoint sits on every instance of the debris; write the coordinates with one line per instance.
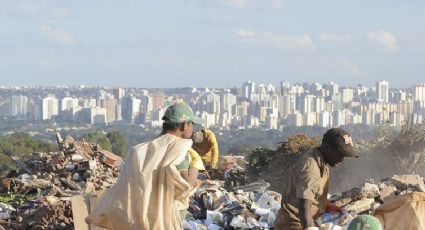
(387, 193)
(250, 206)
(20, 164)
(370, 197)
(86, 165)
(110, 159)
(79, 168)
(360, 205)
(405, 182)
(370, 190)
(259, 186)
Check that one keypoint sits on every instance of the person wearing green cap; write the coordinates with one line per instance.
(180, 117)
(305, 187)
(150, 191)
(365, 222)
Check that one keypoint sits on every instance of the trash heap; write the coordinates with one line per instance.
(232, 169)
(228, 202)
(247, 207)
(78, 168)
(369, 197)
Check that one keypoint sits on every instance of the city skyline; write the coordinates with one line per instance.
(249, 105)
(371, 85)
(211, 43)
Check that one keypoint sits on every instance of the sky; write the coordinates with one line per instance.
(211, 43)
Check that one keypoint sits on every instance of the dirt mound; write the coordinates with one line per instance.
(387, 154)
(272, 165)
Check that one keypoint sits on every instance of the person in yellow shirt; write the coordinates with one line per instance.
(191, 166)
(189, 170)
(205, 144)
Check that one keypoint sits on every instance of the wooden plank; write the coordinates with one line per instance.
(80, 210)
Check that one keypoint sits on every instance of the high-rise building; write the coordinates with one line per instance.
(146, 103)
(271, 122)
(287, 105)
(119, 93)
(356, 118)
(49, 107)
(325, 119)
(18, 106)
(284, 87)
(419, 93)
(295, 119)
(87, 103)
(315, 88)
(306, 103)
(130, 109)
(110, 105)
(368, 117)
(157, 99)
(248, 88)
(94, 115)
(332, 88)
(319, 104)
(68, 103)
(382, 89)
(213, 103)
(338, 118)
(227, 101)
(309, 119)
(347, 95)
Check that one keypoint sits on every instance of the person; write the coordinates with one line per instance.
(190, 167)
(365, 222)
(205, 144)
(150, 192)
(189, 170)
(305, 188)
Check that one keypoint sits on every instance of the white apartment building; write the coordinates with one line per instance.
(382, 89)
(49, 107)
(18, 106)
(68, 103)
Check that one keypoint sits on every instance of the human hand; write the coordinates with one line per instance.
(331, 207)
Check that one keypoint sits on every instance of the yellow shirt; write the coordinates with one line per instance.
(195, 160)
(192, 160)
(208, 149)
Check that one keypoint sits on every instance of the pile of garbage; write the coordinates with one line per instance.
(247, 207)
(232, 169)
(369, 197)
(78, 168)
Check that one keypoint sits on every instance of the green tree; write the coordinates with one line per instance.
(22, 145)
(100, 139)
(119, 143)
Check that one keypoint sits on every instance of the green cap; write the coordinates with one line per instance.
(180, 112)
(365, 222)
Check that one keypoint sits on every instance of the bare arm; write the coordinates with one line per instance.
(214, 151)
(193, 176)
(306, 219)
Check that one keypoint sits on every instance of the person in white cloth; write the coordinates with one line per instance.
(150, 191)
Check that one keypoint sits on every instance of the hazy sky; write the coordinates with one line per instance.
(215, 43)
